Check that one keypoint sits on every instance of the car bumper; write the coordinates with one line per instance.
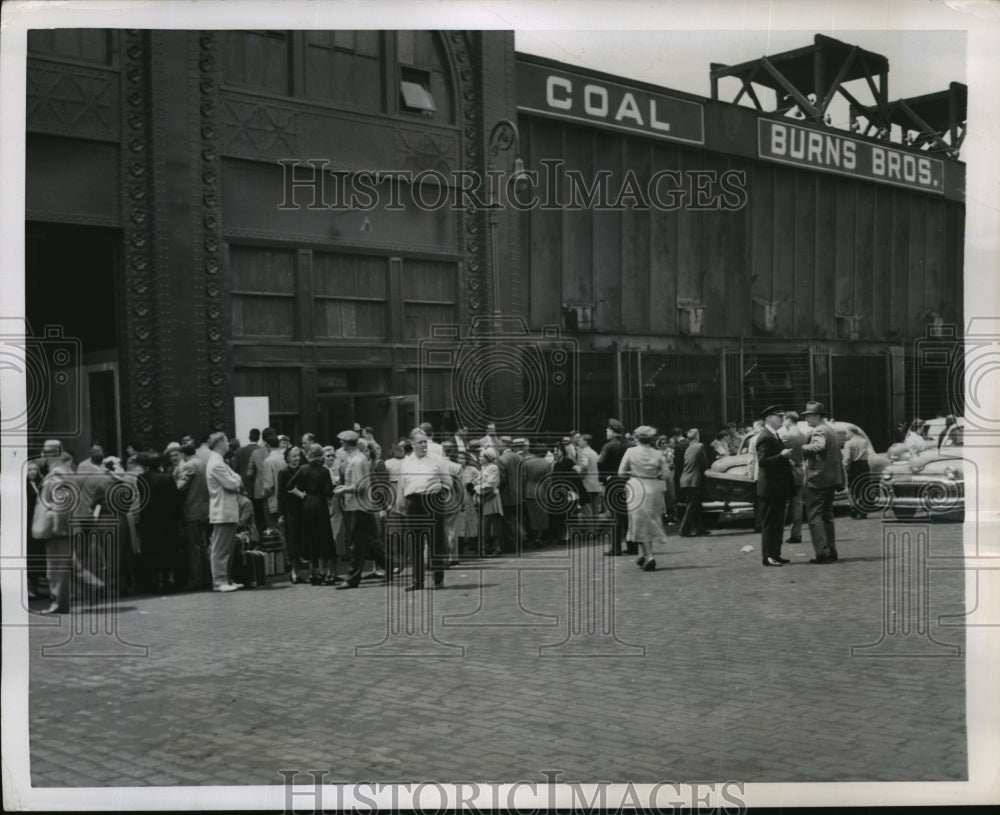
(928, 495)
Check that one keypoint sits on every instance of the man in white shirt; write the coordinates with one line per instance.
(433, 448)
(422, 480)
(223, 512)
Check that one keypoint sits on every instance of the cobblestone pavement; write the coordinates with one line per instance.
(722, 670)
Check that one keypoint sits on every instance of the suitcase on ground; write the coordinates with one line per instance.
(248, 567)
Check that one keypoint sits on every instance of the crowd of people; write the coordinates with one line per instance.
(187, 516)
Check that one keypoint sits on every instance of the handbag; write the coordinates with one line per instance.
(43, 524)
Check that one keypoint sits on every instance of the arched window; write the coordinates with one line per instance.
(425, 85)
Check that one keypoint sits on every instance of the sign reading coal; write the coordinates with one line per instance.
(821, 150)
(581, 98)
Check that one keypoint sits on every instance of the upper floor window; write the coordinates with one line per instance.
(353, 69)
(263, 292)
(345, 66)
(424, 79)
(258, 59)
(83, 44)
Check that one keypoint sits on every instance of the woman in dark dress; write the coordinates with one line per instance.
(314, 485)
(159, 517)
(563, 497)
(290, 512)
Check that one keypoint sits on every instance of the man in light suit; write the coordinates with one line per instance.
(692, 477)
(223, 512)
(192, 484)
(824, 475)
(775, 485)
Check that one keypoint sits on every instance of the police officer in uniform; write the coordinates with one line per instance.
(775, 485)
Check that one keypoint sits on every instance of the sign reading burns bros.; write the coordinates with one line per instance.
(822, 150)
(567, 95)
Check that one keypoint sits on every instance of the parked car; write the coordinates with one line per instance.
(729, 490)
(926, 478)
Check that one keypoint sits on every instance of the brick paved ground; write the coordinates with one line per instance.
(747, 674)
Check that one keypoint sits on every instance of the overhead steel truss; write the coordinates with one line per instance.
(806, 80)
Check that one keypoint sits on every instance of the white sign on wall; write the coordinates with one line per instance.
(250, 412)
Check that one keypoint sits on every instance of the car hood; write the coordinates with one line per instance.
(929, 462)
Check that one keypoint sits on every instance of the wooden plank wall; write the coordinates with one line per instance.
(821, 243)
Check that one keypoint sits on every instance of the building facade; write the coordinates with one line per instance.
(186, 220)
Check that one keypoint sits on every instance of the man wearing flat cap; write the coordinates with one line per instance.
(775, 484)
(359, 522)
(608, 462)
(824, 476)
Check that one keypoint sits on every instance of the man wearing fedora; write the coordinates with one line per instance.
(608, 462)
(824, 475)
(775, 484)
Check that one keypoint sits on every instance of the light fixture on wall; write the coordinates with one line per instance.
(935, 325)
(848, 325)
(765, 314)
(578, 316)
(692, 315)
(504, 137)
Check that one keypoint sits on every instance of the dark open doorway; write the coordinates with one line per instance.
(71, 281)
(861, 395)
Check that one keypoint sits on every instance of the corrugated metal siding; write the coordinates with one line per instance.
(820, 243)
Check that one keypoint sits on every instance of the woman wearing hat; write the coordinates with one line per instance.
(647, 471)
(468, 525)
(314, 485)
(487, 492)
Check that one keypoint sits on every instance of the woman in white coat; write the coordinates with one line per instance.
(647, 471)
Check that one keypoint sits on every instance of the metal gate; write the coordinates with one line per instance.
(682, 390)
(775, 378)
